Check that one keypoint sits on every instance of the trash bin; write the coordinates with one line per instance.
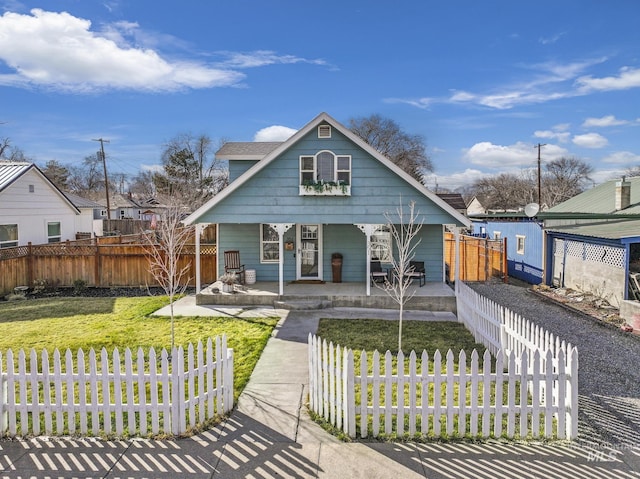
(336, 267)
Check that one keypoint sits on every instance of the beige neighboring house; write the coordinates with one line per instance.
(474, 207)
(32, 208)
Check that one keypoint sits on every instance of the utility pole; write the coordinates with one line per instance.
(539, 146)
(106, 179)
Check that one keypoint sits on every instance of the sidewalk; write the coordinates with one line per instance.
(270, 434)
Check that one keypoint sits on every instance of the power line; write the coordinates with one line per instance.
(106, 179)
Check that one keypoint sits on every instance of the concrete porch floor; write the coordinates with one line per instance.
(430, 297)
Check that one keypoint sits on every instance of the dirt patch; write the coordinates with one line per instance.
(585, 303)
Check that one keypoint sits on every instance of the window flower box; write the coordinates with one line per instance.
(325, 188)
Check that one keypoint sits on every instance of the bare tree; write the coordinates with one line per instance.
(564, 178)
(11, 153)
(404, 229)
(406, 151)
(164, 246)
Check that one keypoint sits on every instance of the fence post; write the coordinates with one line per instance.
(96, 267)
(178, 406)
(572, 424)
(505, 268)
(29, 264)
(350, 406)
(3, 398)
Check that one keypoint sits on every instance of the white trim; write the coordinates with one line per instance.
(322, 134)
(300, 253)
(58, 237)
(520, 250)
(262, 242)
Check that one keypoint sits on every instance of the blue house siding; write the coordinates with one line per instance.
(272, 194)
(528, 266)
(237, 168)
(268, 191)
(347, 240)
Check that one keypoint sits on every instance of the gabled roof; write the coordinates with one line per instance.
(122, 201)
(249, 150)
(81, 202)
(11, 171)
(454, 199)
(615, 230)
(282, 147)
(601, 199)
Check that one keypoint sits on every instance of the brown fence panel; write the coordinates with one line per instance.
(480, 258)
(100, 265)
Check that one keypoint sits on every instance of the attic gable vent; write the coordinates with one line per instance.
(324, 131)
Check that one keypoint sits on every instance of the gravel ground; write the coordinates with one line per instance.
(608, 373)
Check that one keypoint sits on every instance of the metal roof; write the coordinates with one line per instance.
(615, 229)
(11, 171)
(81, 202)
(246, 150)
(601, 199)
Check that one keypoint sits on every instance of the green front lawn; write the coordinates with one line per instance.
(85, 323)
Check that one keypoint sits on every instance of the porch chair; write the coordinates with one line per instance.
(416, 270)
(378, 274)
(232, 264)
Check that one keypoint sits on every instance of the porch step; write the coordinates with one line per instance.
(303, 305)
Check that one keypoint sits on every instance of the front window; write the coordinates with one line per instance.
(381, 245)
(325, 167)
(269, 245)
(519, 244)
(53, 232)
(8, 236)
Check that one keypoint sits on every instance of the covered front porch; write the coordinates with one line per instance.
(433, 296)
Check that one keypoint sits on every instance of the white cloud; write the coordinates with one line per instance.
(545, 82)
(628, 78)
(552, 39)
(455, 180)
(504, 157)
(626, 158)
(59, 51)
(274, 133)
(262, 58)
(605, 121)
(561, 136)
(590, 140)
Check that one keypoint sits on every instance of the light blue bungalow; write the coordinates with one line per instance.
(291, 205)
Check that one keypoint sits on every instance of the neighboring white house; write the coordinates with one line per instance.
(32, 208)
(91, 215)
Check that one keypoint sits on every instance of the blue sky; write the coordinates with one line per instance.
(483, 82)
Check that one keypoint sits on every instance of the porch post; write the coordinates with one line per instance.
(368, 230)
(198, 231)
(281, 229)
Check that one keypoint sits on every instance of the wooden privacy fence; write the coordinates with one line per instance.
(433, 398)
(104, 395)
(529, 390)
(98, 265)
(480, 258)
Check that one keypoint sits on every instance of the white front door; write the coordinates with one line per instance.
(309, 252)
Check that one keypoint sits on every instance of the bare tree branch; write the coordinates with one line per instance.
(404, 229)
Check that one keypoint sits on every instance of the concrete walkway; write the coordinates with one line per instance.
(270, 434)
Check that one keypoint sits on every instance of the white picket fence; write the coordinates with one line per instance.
(525, 385)
(106, 395)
